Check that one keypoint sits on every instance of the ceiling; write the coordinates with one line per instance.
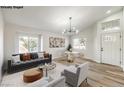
(55, 18)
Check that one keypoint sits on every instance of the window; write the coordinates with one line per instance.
(111, 25)
(109, 38)
(28, 43)
(79, 43)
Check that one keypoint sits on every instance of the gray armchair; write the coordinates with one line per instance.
(60, 82)
(76, 75)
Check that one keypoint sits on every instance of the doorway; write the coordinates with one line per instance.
(111, 48)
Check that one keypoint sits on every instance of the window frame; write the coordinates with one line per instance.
(18, 34)
(79, 46)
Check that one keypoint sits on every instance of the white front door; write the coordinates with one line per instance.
(110, 48)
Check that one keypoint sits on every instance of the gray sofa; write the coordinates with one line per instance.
(35, 61)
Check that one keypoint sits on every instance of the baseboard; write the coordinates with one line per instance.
(89, 59)
(3, 71)
(84, 58)
(56, 58)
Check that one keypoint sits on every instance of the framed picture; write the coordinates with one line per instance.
(55, 42)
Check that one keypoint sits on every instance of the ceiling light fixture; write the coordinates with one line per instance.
(108, 12)
(71, 30)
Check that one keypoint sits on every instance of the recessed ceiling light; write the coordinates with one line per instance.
(108, 12)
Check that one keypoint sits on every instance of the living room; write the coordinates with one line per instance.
(76, 40)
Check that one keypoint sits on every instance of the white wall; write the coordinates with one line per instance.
(114, 16)
(97, 42)
(56, 52)
(92, 34)
(1, 43)
(10, 35)
(123, 37)
(89, 35)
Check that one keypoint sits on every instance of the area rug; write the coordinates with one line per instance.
(76, 61)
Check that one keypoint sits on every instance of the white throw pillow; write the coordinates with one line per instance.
(16, 58)
(41, 55)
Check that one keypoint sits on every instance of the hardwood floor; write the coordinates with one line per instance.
(103, 75)
(100, 75)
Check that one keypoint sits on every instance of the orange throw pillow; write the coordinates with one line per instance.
(46, 55)
(26, 57)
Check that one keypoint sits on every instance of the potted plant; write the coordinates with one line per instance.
(69, 48)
